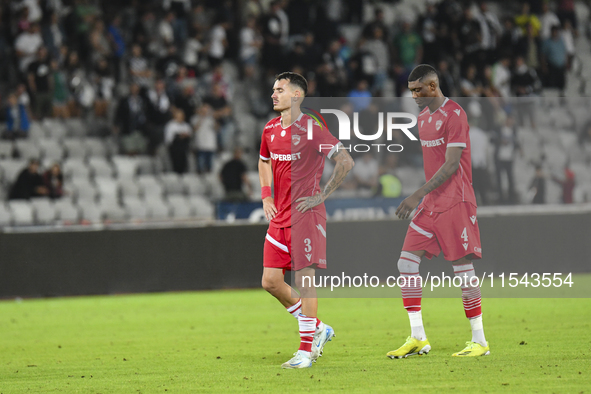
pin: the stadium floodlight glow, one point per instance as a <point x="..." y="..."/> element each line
<point x="345" y="125"/>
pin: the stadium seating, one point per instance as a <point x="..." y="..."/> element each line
<point x="22" y="212"/>
<point x="45" y="211"/>
<point x="5" y="215"/>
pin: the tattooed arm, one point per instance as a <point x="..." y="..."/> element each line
<point x="452" y="162"/>
<point x="344" y="163"/>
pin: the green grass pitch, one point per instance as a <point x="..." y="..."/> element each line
<point x="229" y="341"/>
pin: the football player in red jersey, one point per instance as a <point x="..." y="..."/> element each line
<point x="296" y="238"/>
<point x="445" y="220"/>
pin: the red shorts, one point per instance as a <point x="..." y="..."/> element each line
<point x="455" y="232"/>
<point x="300" y="246"/>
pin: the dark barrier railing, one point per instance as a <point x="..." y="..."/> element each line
<point x="148" y="260"/>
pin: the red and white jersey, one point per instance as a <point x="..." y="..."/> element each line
<point x="297" y="164"/>
<point x="446" y="127"/>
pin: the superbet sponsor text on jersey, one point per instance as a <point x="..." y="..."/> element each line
<point x="297" y="163"/>
<point x="446" y="127"/>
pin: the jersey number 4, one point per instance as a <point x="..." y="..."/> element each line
<point x="464" y="235"/>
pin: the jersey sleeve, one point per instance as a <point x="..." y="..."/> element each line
<point x="324" y="141"/>
<point x="457" y="129"/>
<point x="264" y="152"/>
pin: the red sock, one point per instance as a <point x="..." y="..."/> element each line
<point x="318" y="321"/>
<point x="307" y="328"/>
<point x="411" y="289"/>
<point x="471" y="298"/>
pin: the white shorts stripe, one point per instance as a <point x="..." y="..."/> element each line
<point x="420" y="230"/>
<point x="277" y="243"/>
<point x="319" y="227"/>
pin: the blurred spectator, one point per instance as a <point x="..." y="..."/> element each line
<point x="566" y="12"/>
<point x="568" y="36"/>
<point x="130" y="121"/>
<point x="234" y="178"/>
<point x="377" y="22"/>
<point x="26" y="45"/>
<point x="166" y="32"/>
<point x="505" y="151"/>
<point x="99" y="42"/>
<point x="378" y="49"/>
<point x="177" y="137"/>
<point x="53" y="35"/>
<point x="428" y="29"/>
<point x="510" y="39"/>
<point x="479" y="146"/>
<point x="218" y="42"/>
<point x="29" y="183"/>
<point x="158" y="115"/>
<point x="17" y="119"/>
<point x="365" y="172"/>
<point x="181" y="9"/>
<point x="490" y="29"/>
<point x="537" y="186"/>
<point x="61" y="94"/>
<point x="332" y="74"/>
<point x="222" y="113"/>
<point x="526" y="18"/>
<point x="118" y="46"/>
<point x="360" y="97"/>
<point x="567" y="184"/>
<point x="526" y="85"/>
<point x="408" y="45"/>
<point x="470" y="37"/>
<point x="501" y="77"/>
<point x="104" y="83"/>
<point x="139" y="68"/>
<point x="447" y="82"/>
<point x="40" y="84"/>
<point x="250" y="45"/>
<point x="274" y="28"/>
<point x="53" y="180"/>
<point x="389" y="186"/>
<point x="193" y="49"/>
<point x="548" y="19"/>
<point x="469" y="85"/>
<point x="555" y="61"/>
<point x="206" y="145"/>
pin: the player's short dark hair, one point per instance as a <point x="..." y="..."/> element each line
<point x="294" y="79"/>
<point x="420" y="72"/>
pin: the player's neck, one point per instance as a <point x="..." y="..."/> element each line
<point x="288" y="116"/>
<point x="436" y="103"/>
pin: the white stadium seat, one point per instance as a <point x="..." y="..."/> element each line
<point x="22" y="212"/>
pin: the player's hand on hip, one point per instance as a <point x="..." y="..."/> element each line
<point x="309" y="202"/>
<point x="269" y="208"/>
<point x="407" y="206"/>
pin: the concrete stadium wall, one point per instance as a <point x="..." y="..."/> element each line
<point x="149" y="260"/>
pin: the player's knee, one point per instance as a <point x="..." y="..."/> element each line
<point x="269" y="284"/>
<point x="408" y="263"/>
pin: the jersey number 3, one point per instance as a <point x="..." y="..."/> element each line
<point x="308" y="244"/>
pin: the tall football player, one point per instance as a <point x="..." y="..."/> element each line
<point x="296" y="238"/>
<point x="446" y="218"/>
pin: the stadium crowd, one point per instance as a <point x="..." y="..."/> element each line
<point x="175" y="79"/>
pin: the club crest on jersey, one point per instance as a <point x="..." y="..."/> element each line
<point x="272" y="137"/>
<point x="283" y="133"/>
<point x="438" y="124"/>
<point x="422" y="121"/>
<point x="295" y="139"/>
<point x="430" y="119"/>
